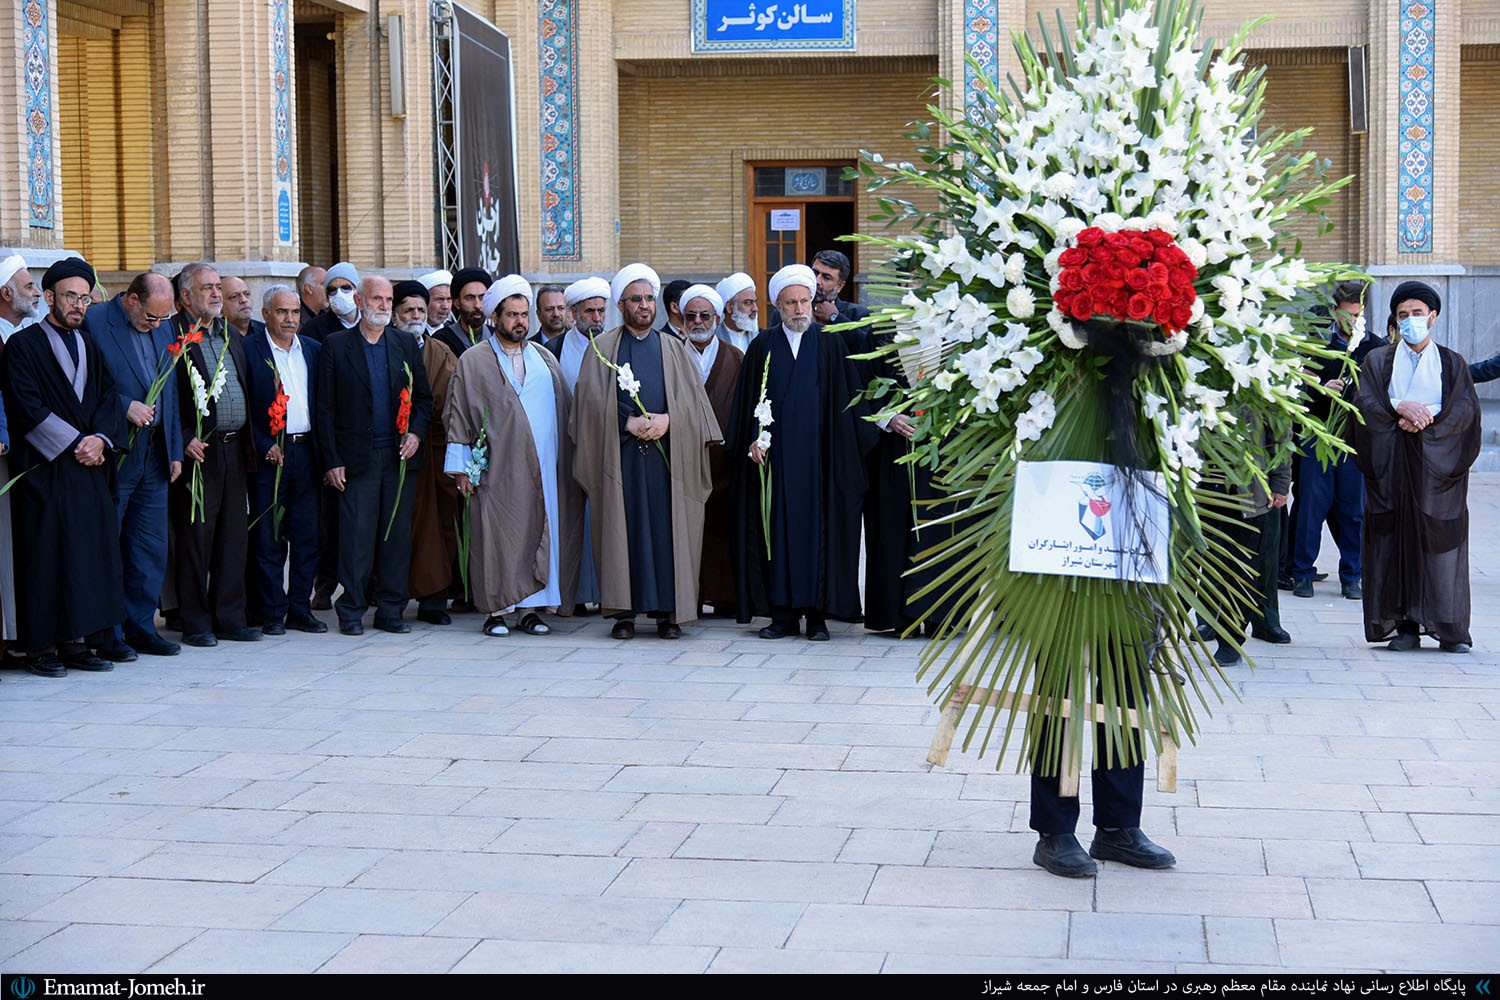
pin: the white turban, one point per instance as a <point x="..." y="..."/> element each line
<point x="793" y="274"/>
<point x="432" y="279"/>
<point x="9" y="266"/>
<point x="343" y="269"/>
<point x="703" y="292"/>
<point x="584" y="289"/>
<point x="629" y="275"/>
<point x="733" y="285"/>
<point x="504" y="288"/>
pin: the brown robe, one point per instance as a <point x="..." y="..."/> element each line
<point x="716" y="579"/>
<point x="596" y="434"/>
<point x="1416" y="544"/>
<point x="434" y="537"/>
<point x="510" y="539"/>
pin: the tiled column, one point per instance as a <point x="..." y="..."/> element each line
<point x="31" y="214"/>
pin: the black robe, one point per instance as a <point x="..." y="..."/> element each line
<point x="647" y="482"/>
<point x="1416" y="543"/>
<point x="67" y="540"/>
<point x="818" y="450"/>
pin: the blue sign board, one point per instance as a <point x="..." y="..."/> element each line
<point x="284" y="216"/>
<point x="773" y="25"/>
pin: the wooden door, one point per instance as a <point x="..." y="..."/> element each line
<point x="778" y="238"/>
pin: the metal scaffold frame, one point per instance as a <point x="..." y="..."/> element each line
<point x="445" y="134"/>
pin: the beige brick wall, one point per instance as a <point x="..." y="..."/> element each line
<point x="660" y="29"/>
<point x="681" y="170"/>
<point x="1479" y="154"/>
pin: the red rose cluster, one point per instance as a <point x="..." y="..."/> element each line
<point x="1140" y="276"/>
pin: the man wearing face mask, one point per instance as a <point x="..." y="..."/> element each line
<point x="434" y="539"/>
<point x="1419" y="436"/>
<point x="362" y="376"/>
<point x="719" y="365"/>
<point x="341" y="314"/>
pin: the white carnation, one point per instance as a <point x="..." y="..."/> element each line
<point x="1020" y="302"/>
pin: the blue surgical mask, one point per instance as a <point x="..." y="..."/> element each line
<point x="1413" y="329"/>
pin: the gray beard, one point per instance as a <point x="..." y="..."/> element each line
<point x="701" y="338"/>
<point x="797" y="325"/>
<point x="744" y="324"/>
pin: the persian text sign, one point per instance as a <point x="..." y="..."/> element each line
<point x="755" y="25"/>
<point x="1089" y="519"/>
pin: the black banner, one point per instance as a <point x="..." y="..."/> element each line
<point x="489" y="236"/>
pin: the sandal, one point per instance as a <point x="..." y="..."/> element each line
<point x="532" y="624"/>
<point x="495" y="625"/>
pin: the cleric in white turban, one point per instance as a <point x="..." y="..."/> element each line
<point x="504" y="288"/>
<point x="20" y="300"/>
<point x="629" y="275"/>
<point x="741" y="313"/>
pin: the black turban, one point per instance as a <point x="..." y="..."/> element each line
<point x="68" y="267"/>
<point x="465" y="275"/>
<point x="406" y="289"/>
<point x="1421" y="291"/>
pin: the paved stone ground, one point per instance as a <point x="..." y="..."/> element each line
<point x="442" y="801"/>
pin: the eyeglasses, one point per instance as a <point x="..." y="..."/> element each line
<point x="153" y="320"/>
<point x="636" y="300"/>
<point x="74" y="299"/>
<point x="697" y="315"/>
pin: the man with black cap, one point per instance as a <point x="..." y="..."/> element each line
<point x="66" y="427"/>
<point x="434" y="535"/>
<point x="1419" y="435"/>
<point x="466" y="327"/>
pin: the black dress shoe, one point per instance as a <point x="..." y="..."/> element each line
<point x="395" y="626"/>
<point x="1302" y="588"/>
<point x="46" y="665"/>
<point x="668" y="630"/>
<point x="624" y="629"/>
<point x="434" y="617"/>
<point x="1227" y="656"/>
<point x="1352" y="592"/>
<point x="245" y="634"/>
<point x="1319" y="577"/>
<point x="1454" y="647"/>
<point x="117" y="652"/>
<point x="817" y="630"/>
<point x="154" y="645"/>
<point x="1272" y="633"/>
<point x="1404" y="642"/>
<point x="309" y="624"/>
<point x="85" y="660"/>
<point x="1205" y="632"/>
<point x="1283" y="583"/>
<point x="322" y="600"/>
<point x="1130" y="847"/>
<point x="352" y="628"/>
<point x="204" y="639"/>
<point x="273" y="628"/>
<point x="1061" y="854"/>
<point x="778" y="630"/>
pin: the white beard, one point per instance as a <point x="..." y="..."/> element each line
<point x="701" y="338"/>
<point x="739" y="321"/>
<point x="799" y="325"/>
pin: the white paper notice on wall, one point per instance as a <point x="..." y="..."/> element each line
<point x="1090" y="519"/>
<point x="786" y="220"/>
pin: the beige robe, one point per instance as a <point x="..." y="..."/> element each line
<point x="434" y="540"/>
<point x="511" y="541"/>
<point x="596" y="435"/>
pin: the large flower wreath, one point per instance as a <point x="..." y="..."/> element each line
<point x="1108" y="278"/>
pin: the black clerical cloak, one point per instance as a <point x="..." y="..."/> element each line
<point x="822" y="437"/>
<point x="67" y="540"/>
<point x="1416" y="544"/>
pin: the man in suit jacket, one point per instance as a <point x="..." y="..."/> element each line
<point x="132" y="334"/>
<point x="362" y="375"/>
<point x="212" y="534"/>
<point x="285" y="511"/>
<point x="239" y="308"/>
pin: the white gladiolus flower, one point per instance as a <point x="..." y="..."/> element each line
<point x="943" y="381"/>
<point x="629" y="384"/>
<point x="200" y="391"/>
<point x="1039" y="417"/>
<point x="763" y="413"/>
<point x="764" y="441"/>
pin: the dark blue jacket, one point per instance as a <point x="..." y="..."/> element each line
<point x="262" y="388"/>
<point x="110" y="330"/>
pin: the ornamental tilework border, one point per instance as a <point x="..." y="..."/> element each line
<point x="1416" y="118"/>
<point x="982" y="44"/>
<point x="281" y="84"/>
<point x="36" y="44"/>
<point x="558" y="58"/>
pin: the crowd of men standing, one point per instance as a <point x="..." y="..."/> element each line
<point x="176" y="455"/>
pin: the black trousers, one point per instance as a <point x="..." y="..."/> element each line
<point x="373" y="569"/>
<point x="300" y="479"/>
<point x="1118" y="792"/>
<point x="211" y="551"/>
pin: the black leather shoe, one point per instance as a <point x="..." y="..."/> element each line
<point x="395" y="626"/>
<point x="668" y="630"/>
<point x="1283" y="583"/>
<point x="117" y="652"/>
<point x="1454" y="647"/>
<point x="322" y="600"/>
<point x="779" y="630"/>
<point x="154" y="645"/>
<point x="1227" y="656"/>
<point x="204" y="639"/>
<point x="309" y="624"/>
<point x="85" y="660"/>
<point x="817" y="630"/>
<point x="1352" y="592"/>
<point x="273" y="628"/>
<point x="1319" y="577"/>
<point x="624" y="629"/>
<point x="1205" y="632"/>
<point x="434" y="617"/>
<point x="1130" y="847"/>
<point x="1272" y="633"/>
<point x="1302" y="588"/>
<point x="46" y="665"/>
<point x="246" y="634"/>
<point x="1061" y="854"/>
<point x="1404" y="642"/>
<point x="352" y="628"/>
